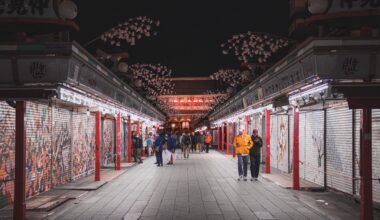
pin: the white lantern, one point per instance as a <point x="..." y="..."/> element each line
<point x="122" y="67"/>
<point x="318" y="6"/>
<point x="67" y="9"/>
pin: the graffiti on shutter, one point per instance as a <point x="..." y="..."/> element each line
<point x="7" y="153"/>
<point x="108" y="142"/>
<point x="376" y="153"/>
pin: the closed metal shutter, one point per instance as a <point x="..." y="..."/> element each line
<point x="339" y="149"/>
<point x="280" y="142"/>
<point x="61" y="148"/>
<point x="83" y="145"/>
<point x="314" y="147"/>
<point x="125" y="141"/>
<point x="357" y="150"/>
<point x="291" y="141"/>
<point x="108" y="140"/>
<point x="7" y="153"/>
<point x="302" y="144"/>
<point x="376" y="153"/>
<point x="38" y="148"/>
<point x="122" y="143"/>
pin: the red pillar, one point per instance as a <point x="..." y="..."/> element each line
<point x="19" y="190"/>
<point x="222" y="137"/>
<point x="296" y="174"/>
<point x="267" y="140"/>
<point x="97" y="146"/>
<point x="129" y="140"/>
<point x="227" y="139"/>
<point x="118" y="142"/>
<point x="218" y="138"/>
<point x="366" y="204"/>
<point x="233" y="137"/>
<point x="247" y="119"/>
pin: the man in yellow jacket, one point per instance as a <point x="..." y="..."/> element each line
<point x="243" y="143"/>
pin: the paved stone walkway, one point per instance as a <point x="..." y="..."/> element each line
<point x="203" y="187"/>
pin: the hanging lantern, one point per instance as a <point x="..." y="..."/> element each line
<point x="122" y="67"/>
<point x="318" y="6"/>
<point x="67" y="10"/>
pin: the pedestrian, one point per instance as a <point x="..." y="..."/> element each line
<point x="173" y="138"/>
<point x="192" y="136"/>
<point x="169" y="147"/>
<point x="243" y="143"/>
<point x="158" y="148"/>
<point x="202" y="141"/>
<point x="197" y="142"/>
<point x="208" y="141"/>
<point x="186" y="145"/>
<point x="182" y="146"/>
<point x="148" y="142"/>
<point x="255" y="154"/>
<point x="137" y="147"/>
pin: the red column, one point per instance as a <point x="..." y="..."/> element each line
<point x="233" y="137"/>
<point x="366" y="204"/>
<point x="296" y="174"/>
<point x="247" y="119"/>
<point x="267" y="140"/>
<point x="97" y="146"/>
<point x="118" y="142"/>
<point x="20" y="157"/>
<point x="129" y="140"/>
<point x="222" y="137"/>
<point x="227" y="139"/>
<point x="218" y="138"/>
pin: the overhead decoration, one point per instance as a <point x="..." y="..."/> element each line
<point x="254" y="47"/>
<point x="154" y="79"/>
<point x="232" y="77"/>
<point x="131" y="31"/>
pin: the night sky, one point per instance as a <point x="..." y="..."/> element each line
<point x="190" y="33"/>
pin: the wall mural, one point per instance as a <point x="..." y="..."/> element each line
<point x="7" y="153"/>
<point x="282" y="143"/>
<point x="108" y="142"/>
<point x="83" y="145"/>
<point x="38" y="148"/>
<point x="61" y="150"/>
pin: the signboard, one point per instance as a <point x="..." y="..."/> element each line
<point x="353" y="5"/>
<point x="28" y="8"/>
<point x="343" y="66"/>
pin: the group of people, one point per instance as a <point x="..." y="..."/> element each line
<point x="169" y="142"/>
<point x="248" y="148"/>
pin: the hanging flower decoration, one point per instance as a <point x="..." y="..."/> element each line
<point x="230" y="76"/>
<point x="254" y="47"/>
<point x="218" y="97"/>
<point x="154" y="79"/>
<point x="131" y="31"/>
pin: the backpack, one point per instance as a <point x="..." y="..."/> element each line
<point x="187" y="140"/>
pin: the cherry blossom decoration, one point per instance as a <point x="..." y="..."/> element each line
<point x="254" y="47"/>
<point x="154" y="79"/>
<point x="131" y="31"/>
<point x="231" y="77"/>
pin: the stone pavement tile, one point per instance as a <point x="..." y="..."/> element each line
<point x="164" y="217"/>
<point x="248" y="217"/>
<point x="147" y="218"/>
<point x="281" y="215"/>
<point x="231" y="215"/>
<point x="99" y="217"/>
<point x="214" y="217"/>
<point x="132" y="216"/>
<point x="264" y="215"/>
<point x="149" y="211"/>
<point x="226" y="207"/>
<point x="295" y="215"/>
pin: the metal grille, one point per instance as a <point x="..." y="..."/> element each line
<point x="61" y="146"/>
<point x="108" y="140"/>
<point x="279" y="142"/>
<point x="7" y="153"/>
<point x="339" y="149"/>
<point x="376" y="153"/>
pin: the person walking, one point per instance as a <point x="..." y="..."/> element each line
<point x="197" y="142"/>
<point x="208" y="140"/>
<point x="242" y="143"/>
<point x="137" y="147"/>
<point x="158" y="148"/>
<point x="255" y="154"/>
<point x="186" y="145"/>
<point x="202" y="141"/>
<point x="169" y="148"/>
<point x="192" y="137"/>
<point x="173" y="138"/>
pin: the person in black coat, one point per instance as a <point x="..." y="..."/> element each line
<point x="255" y="154"/>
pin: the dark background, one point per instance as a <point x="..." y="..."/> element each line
<point x="190" y="33"/>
